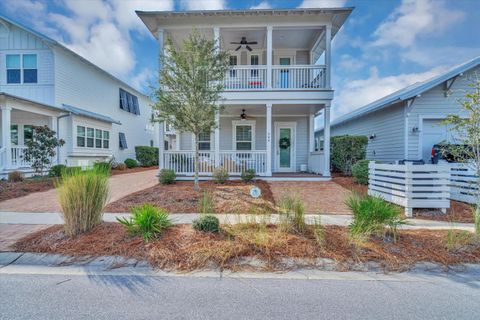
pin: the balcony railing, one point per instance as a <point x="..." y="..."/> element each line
<point x="293" y="77"/>
<point x="235" y="162"/>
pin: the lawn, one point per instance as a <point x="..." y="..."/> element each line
<point x="235" y="247"/>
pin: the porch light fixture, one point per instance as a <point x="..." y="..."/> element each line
<point x="373" y="136"/>
<point x="415" y="129"/>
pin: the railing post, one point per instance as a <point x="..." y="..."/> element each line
<point x="269" y="140"/>
<point x="6" y="138"/>
<point x="161" y="146"/>
<point x="269" y="56"/>
<point x="408" y="189"/>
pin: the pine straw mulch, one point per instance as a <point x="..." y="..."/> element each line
<point x="458" y="211"/>
<point x="183" y="249"/>
<point x="11" y="190"/>
<point x="180" y="197"/>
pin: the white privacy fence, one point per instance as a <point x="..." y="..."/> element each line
<point x="411" y="186"/>
<point x="463" y="183"/>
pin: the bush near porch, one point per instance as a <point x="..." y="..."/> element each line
<point x="147" y="156"/>
<point x="346" y="151"/>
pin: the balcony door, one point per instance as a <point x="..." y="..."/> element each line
<point x="285" y="146"/>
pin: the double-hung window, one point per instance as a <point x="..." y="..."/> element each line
<point x="204" y="141"/>
<point x="80" y="136"/>
<point x="254" y="59"/>
<point x="90" y="137"/>
<point x="233" y="62"/>
<point x="27" y="133"/>
<point x="106" y="139"/>
<point x="243" y="137"/>
<point x="98" y="138"/>
<point x="21" y="67"/>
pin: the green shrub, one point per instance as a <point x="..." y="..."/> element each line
<point x="206" y="205"/>
<point x="220" y="175"/>
<point x="82" y="196"/>
<point x="206" y="223"/>
<point x="147" y="221"/>
<point x="248" y="175"/>
<point x="57" y="170"/>
<point x="347" y="150"/>
<point x="292" y="214"/>
<point x="147" y="156"/>
<point x="103" y="166"/>
<point x="167" y="176"/>
<point x="360" y="171"/>
<point x="373" y="216"/>
<point x="131" y="163"/>
<point x="15" y="176"/>
<point x="121" y="167"/>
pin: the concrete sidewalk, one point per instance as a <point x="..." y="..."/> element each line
<point x="50" y="218"/>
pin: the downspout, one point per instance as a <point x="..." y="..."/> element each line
<point x="58" y="133"/>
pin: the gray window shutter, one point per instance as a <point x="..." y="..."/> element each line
<point x="122" y="140"/>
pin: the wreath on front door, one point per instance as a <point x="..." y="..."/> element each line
<point x="284" y="143"/>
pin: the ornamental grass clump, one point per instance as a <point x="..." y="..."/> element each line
<point x="82" y="196"/>
<point x="206" y="204"/>
<point x="373" y="216"/>
<point x="147" y="221"/>
<point x="292" y="214"/>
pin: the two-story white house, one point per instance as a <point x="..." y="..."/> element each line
<point x="44" y="83"/>
<point x="279" y="81"/>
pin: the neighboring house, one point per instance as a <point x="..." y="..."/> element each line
<point x="44" y="83"/>
<point x="407" y="123"/>
<point x="273" y="90"/>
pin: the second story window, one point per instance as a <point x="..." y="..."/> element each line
<point x="254" y="62"/>
<point x="233" y="62"/>
<point x="129" y="102"/>
<point x="21" y="68"/>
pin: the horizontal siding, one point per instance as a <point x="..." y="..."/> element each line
<point x="386" y="124"/>
<point x="81" y="85"/>
<point x="433" y="103"/>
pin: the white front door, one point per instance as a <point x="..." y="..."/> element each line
<point x="285" y="146"/>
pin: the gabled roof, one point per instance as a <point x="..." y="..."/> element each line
<point x="408" y="92"/>
<point x="53" y="42"/>
<point x="88" y="114"/>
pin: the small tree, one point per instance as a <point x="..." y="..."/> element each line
<point x="41" y="149"/>
<point x="190" y="87"/>
<point x="466" y="126"/>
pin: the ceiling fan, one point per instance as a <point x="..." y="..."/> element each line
<point x="243" y="116"/>
<point x="245" y="43"/>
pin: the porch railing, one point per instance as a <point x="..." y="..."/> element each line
<point x="18" y="157"/>
<point x="246" y="78"/>
<point x="3" y="158"/>
<point x="298" y="77"/>
<point x="235" y="162"/>
<point x="293" y="77"/>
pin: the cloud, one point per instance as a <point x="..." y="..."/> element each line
<point x="446" y="55"/>
<point x="348" y="63"/>
<point x="322" y="3"/>
<point x="98" y="30"/>
<point x="414" y="18"/>
<point x="262" y="5"/>
<point x="202" y="4"/>
<point x="357" y="93"/>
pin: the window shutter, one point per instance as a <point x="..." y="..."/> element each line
<point x="123" y="100"/>
<point x="122" y="140"/>
<point x="135" y="103"/>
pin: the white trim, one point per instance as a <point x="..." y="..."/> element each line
<point x="293" y="155"/>
<point x="236" y="123"/>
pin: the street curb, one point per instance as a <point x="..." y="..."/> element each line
<point x="43" y="263"/>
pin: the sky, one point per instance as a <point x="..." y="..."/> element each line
<point x="384" y="46"/>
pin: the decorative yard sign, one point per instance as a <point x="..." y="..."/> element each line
<point x="255" y="192"/>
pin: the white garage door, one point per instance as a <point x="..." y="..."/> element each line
<point x="434" y="131"/>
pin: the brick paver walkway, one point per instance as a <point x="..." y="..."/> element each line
<point x="11" y="233"/>
<point x="325" y="197"/>
<point x="120" y="186"/>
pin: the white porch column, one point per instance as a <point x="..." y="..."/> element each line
<point x="161" y="125"/>
<point x="311" y="127"/>
<point x="269" y="140"/>
<point x="217" y="139"/>
<point x="54" y="127"/>
<point x="6" y="138"/>
<point x="269" y="56"/>
<point x="328" y="55"/>
<point x="326" y="141"/>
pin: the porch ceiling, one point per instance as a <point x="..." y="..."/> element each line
<point x="277" y="109"/>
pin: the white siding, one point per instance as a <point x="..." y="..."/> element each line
<point x="434" y="104"/>
<point x="17" y="41"/>
<point x="81" y="85"/>
<point x="386" y="124"/>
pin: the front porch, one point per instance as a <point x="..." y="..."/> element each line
<point x="276" y="141"/>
